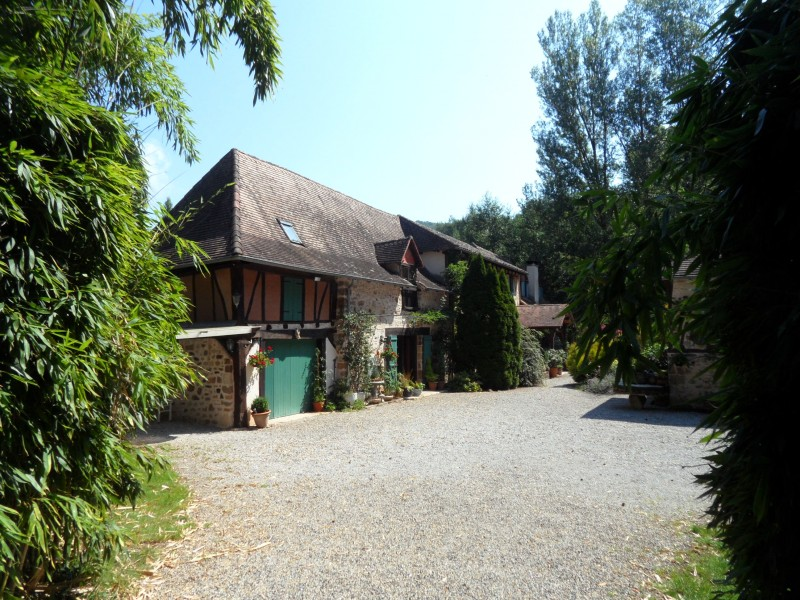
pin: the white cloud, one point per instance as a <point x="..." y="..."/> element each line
<point x="157" y="163"/>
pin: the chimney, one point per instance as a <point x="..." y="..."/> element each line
<point x="533" y="281"/>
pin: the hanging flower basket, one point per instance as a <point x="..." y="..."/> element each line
<point x="261" y="359"/>
<point x="388" y="353"/>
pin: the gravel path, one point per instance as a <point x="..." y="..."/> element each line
<point x="541" y="493"/>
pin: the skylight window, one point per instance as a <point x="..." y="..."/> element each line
<point x="288" y="229"/>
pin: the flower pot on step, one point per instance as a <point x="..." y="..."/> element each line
<point x="261" y="419"/>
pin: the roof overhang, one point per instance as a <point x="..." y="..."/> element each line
<point x="390" y="279"/>
<point x="218" y="332"/>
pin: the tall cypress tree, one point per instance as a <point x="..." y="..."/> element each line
<point x="472" y="320"/>
<point x="488" y="334"/>
<point x="503" y="351"/>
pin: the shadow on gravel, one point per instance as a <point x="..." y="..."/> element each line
<point x="618" y="408"/>
<point x="165" y="431"/>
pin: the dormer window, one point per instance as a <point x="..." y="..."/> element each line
<point x="408" y="272"/>
<point x="288" y="229"/>
<point x="410" y="300"/>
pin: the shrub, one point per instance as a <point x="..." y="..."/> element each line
<point x="336" y="399"/>
<point x="605" y="385"/>
<point x="654" y="358"/>
<point x="462" y="382"/>
<point x="554" y="357"/>
<point x="533" y="363"/>
<point x="580" y="369"/>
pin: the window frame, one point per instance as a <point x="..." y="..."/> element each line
<point x="290" y="232"/>
<point x="410" y="297"/>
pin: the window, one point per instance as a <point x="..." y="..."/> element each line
<point x="409" y="273"/>
<point x="288" y="229"/>
<point x="512" y="284"/>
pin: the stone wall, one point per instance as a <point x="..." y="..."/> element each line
<point x="682" y="287"/>
<point x="385" y="301"/>
<point x="691" y="384"/>
<point x="209" y="402"/>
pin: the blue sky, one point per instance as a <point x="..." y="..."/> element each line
<point x="416" y="108"/>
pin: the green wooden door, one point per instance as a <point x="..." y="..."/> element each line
<point x="287" y="382"/>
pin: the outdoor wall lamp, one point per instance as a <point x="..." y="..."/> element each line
<point x="237" y="297"/>
<point x="229" y="343"/>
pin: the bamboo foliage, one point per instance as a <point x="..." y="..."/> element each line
<point x="89" y="311"/>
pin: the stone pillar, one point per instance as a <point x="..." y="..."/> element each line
<point x="240" y="416"/>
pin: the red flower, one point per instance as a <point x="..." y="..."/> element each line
<point x="261" y="359"/>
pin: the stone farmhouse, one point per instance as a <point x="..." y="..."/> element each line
<point x="286" y="258"/>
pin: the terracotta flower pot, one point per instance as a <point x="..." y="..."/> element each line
<point x="261" y="419"/>
<point x="318" y="406"/>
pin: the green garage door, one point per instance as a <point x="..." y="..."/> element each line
<point x="287" y="382"/>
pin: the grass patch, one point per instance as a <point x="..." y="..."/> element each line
<point x="699" y="573"/>
<point x="157" y="518"/>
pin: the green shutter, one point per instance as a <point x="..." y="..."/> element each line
<point x="393" y="363"/>
<point x="426" y="351"/>
<point x="292" y="299"/>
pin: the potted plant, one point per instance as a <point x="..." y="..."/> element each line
<point x="417" y="387"/>
<point x="391" y="385"/>
<point x="562" y="359"/>
<point x="319" y="391"/>
<point x="388" y="358"/>
<point x="259" y="408"/>
<point x="406" y="384"/>
<point x="554" y="361"/>
<point x="431" y="377"/>
<point x="261" y="359"/>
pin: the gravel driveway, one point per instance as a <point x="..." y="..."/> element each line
<point x="542" y="493"/>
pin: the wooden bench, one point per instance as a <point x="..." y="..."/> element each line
<point x="640" y="392"/>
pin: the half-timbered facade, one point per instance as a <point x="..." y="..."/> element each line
<point x="286" y="257"/>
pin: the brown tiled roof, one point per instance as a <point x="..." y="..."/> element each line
<point x="541" y="316"/>
<point x="244" y="197"/>
<point x="428" y="281"/>
<point x="392" y="251"/>
<point x="430" y="240"/>
<point x="248" y="196"/>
